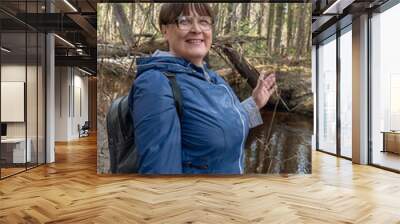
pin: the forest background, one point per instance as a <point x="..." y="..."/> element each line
<point x="248" y="38"/>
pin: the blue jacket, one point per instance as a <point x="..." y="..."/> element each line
<point x="214" y="127"/>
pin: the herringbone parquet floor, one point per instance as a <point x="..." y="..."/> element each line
<point x="70" y="191"/>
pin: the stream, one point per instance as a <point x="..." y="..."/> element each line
<point x="289" y="148"/>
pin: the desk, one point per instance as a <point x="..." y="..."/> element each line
<point x="15" y="148"/>
<point x="391" y="141"/>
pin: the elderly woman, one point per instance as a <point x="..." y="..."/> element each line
<point x="210" y="136"/>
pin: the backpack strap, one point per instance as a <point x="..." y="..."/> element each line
<point x="176" y="93"/>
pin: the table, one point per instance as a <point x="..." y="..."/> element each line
<point x="391" y="141"/>
<point x="13" y="150"/>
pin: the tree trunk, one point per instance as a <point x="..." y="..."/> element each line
<point x="105" y="50"/>
<point x="278" y="28"/>
<point x="228" y="22"/>
<point x="271" y="16"/>
<point x="152" y="15"/>
<point x="221" y="21"/>
<point x="289" y="27"/>
<point x="309" y="40"/>
<point x="308" y="31"/>
<point x="294" y="26"/>
<point x="245" y="13"/>
<point x="215" y="25"/>
<point x="123" y="25"/>
<point x="246" y="70"/>
<point x="260" y="24"/>
<point x="106" y="24"/>
<point x="300" y="31"/>
<point x="115" y="50"/>
<point x="235" y="20"/>
<point x="133" y="12"/>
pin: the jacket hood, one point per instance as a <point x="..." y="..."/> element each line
<point x="166" y="62"/>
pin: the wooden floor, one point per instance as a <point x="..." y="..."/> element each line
<point x="10" y="171"/>
<point x="70" y="191"/>
<point x="387" y="159"/>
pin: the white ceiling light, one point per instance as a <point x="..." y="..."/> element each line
<point x="65" y="41"/>
<point x="338" y="6"/>
<point x="5" y="50"/>
<point x="70" y="5"/>
<point x="79" y="51"/>
<point x="86" y="72"/>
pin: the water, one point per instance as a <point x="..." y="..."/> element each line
<point x="289" y="147"/>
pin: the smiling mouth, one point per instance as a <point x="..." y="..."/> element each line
<point x="194" y="41"/>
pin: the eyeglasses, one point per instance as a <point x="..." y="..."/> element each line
<point x="185" y="23"/>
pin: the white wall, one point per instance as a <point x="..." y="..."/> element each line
<point x="71" y="87"/>
<point x="12" y="73"/>
<point x="61" y="103"/>
<point x="81" y="94"/>
<point x="12" y="101"/>
<point x="33" y="126"/>
<point x="16" y="73"/>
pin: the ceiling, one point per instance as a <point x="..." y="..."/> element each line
<point x="330" y="15"/>
<point x="74" y="22"/>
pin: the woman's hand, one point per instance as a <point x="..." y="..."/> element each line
<point x="265" y="88"/>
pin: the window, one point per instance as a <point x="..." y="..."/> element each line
<point x="346" y="92"/>
<point x="327" y="96"/>
<point x="385" y="88"/>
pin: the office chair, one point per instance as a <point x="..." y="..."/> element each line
<point x="84" y="130"/>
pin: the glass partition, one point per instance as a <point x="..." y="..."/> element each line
<point x="22" y="87"/>
<point x="14" y="152"/>
<point x="385" y="89"/>
<point x="327" y="95"/>
<point x="346" y="92"/>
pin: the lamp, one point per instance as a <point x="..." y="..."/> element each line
<point x="70" y="5"/>
<point x="84" y="71"/>
<point x="337" y="7"/>
<point x="5" y="50"/>
<point x="64" y="40"/>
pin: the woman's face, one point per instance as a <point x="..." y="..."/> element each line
<point x="192" y="44"/>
